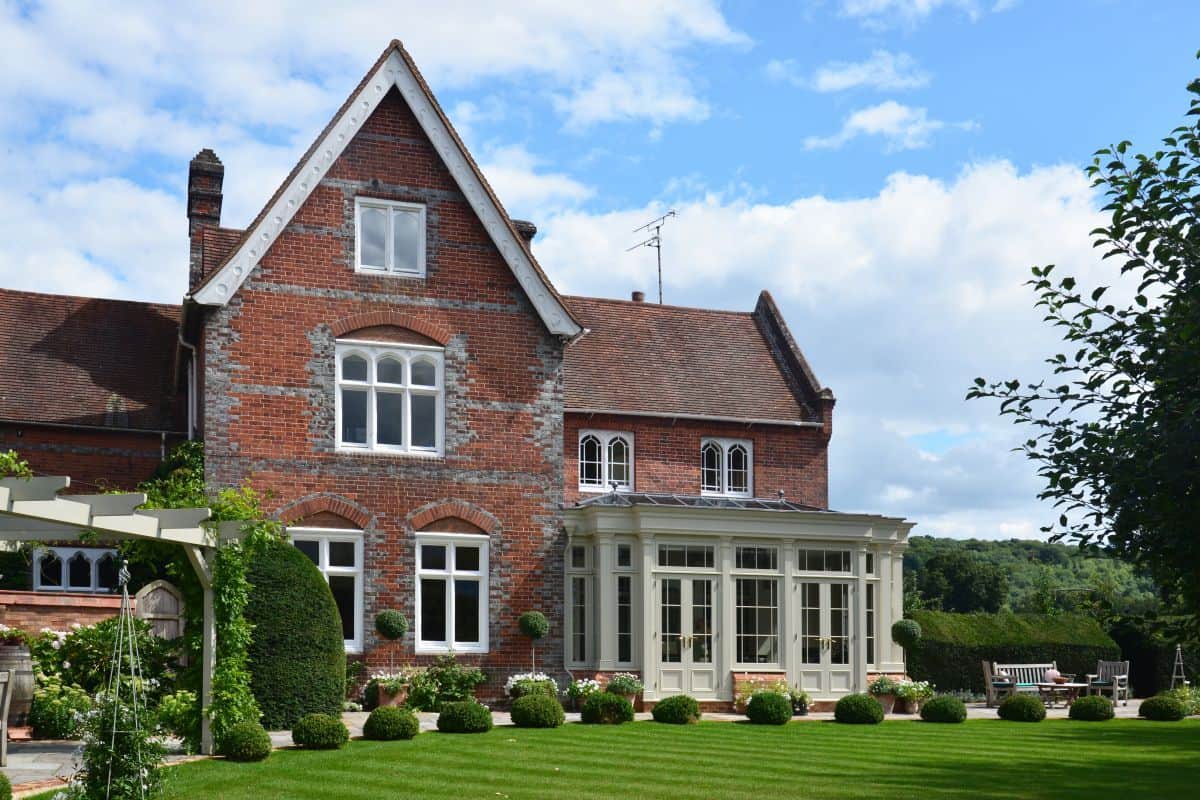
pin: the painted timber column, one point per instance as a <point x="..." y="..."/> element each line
<point x="859" y="610"/>
<point x="650" y="652"/>
<point x="883" y="617"/>
<point x="789" y="621"/>
<point x="726" y="632"/>
<point x="606" y="606"/>
<point x="896" y="591"/>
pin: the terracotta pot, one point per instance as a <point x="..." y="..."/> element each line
<point x="386" y="698"/>
<point x="16" y="657"/>
<point x="888" y="701"/>
<point x="908" y="707"/>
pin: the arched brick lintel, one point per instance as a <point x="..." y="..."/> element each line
<point x="369" y="319"/>
<point x="327" y="503"/>
<point x="430" y="513"/>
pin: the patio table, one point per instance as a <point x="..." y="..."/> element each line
<point x="1067" y="693"/>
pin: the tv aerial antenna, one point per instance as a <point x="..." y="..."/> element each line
<point x="654" y="227"/>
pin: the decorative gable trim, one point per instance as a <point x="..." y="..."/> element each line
<point x="394" y="69"/>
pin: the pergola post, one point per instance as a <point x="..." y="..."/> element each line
<point x="208" y="654"/>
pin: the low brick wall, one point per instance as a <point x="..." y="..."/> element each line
<point x="32" y="611"/>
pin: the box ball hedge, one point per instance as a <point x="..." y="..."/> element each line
<point x="858" y="709"/>
<point x="1022" y="708"/>
<point x="676" y="710"/>
<point x="388" y="723"/>
<point x="1092" y="709"/>
<point x="320" y="732"/>
<point x="465" y="716"/>
<point x="537" y="711"/>
<point x="5" y="788"/>
<point x="606" y="708"/>
<point x="769" y="708"/>
<point x="246" y="741"/>
<point x="1162" y="708"/>
<point x="297" y="656"/>
<point x="944" y="708"/>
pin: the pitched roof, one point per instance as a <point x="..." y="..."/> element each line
<point x="394" y="67"/>
<point x="85" y="361"/>
<point x="644" y="358"/>
<point x="215" y="246"/>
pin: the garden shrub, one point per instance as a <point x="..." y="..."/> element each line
<point x="296" y="657"/>
<point x="320" y="732"/>
<point x="1162" y="708"/>
<point x="391" y="624"/>
<point x="952" y="646"/>
<point x="119" y="761"/>
<point x="1092" y="709"/>
<point x="858" y="709"/>
<point x="606" y="708"/>
<point x="57" y="708"/>
<point x="246" y="741"/>
<point x="464" y="716"/>
<point x="391" y="722"/>
<point x="769" y="708"/>
<point x="5" y="788"/>
<point x="179" y="715"/>
<point x="625" y="683"/>
<point x="944" y="708"/>
<point x="1022" y="708"/>
<point x="1187" y="695"/>
<point x="677" y="710"/>
<point x="525" y="683"/>
<point x="533" y="624"/>
<point x="371" y="695"/>
<point x="444" y="681"/>
<point x="82" y="656"/>
<point x="537" y="711"/>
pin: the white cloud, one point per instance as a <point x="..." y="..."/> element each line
<point x="883" y="70"/>
<point x="620" y="97"/>
<point x="877" y="11"/>
<point x="522" y="187"/>
<point x="902" y="127"/>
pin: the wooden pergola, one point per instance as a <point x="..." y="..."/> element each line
<point x="32" y="510"/>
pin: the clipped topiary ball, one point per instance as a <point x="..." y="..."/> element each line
<point x="769" y="708"/>
<point x="320" y="732"/>
<point x="944" y="708"/>
<point x="1022" y="708"/>
<point x="391" y="722"/>
<point x="1092" y="709"/>
<point x="858" y="709"/>
<point x="537" y="711"/>
<point x="534" y="624"/>
<point x="1162" y="708"/>
<point x="246" y="741"/>
<point x="906" y="632"/>
<point x="391" y="624"/>
<point x="676" y="710"/>
<point x="606" y="708"/>
<point x="466" y="716"/>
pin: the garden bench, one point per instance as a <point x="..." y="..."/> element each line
<point x="996" y="688"/>
<point x="1022" y="677"/>
<point x="1111" y="678"/>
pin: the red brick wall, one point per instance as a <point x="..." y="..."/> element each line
<point x="32" y="611"/>
<point x="95" y="460"/>
<point x="667" y="455"/>
<point x="270" y="404"/>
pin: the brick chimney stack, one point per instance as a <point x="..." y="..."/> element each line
<point x="206" y="174"/>
<point x="526" y="228"/>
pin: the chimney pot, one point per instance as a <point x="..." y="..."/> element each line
<point x="639" y="297"/>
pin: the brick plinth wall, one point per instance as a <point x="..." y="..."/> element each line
<point x="32" y="611"/>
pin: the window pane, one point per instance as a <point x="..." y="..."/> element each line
<point x="578" y="556"/>
<point x="618" y="461"/>
<point x="372" y="237"/>
<point x="390" y="370"/>
<point x="670" y="555"/>
<point x="79" y="570"/>
<point x="624" y="618"/>
<point x="433" y="610"/>
<point x="106" y="572"/>
<point x="433" y="556"/>
<point x="424" y="373"/>
<point x="739" y="470"/>
<point x="466" y="610"/>
<point x="354" y="368"/>
<point x="579" y="619"/>
<point x="341" y="554"/>
<point x="424" y="420"/>
<point x="710" y="469"/>
<point x="406" y="229"/>
<point x="624" y="555"/>
<point x="310" y="549"/>
<point x="699" y="556"/>
<point x="342" y="587"/>
<point x="466" y="558"/>
<point x="354" y="416"/>
<point x="389" y="418"/>
<point x="52" y="570"/>
<point x="589" y="462"/>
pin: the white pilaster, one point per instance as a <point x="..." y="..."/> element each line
<point x="606" y="604"/>
<point x="650" y="649"/>
<point x="859" y="612"/>
<point x="726" y="634"/>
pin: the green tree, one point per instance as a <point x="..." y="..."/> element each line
<point x="958" y="581"/>
<point x="1116" y="432"/>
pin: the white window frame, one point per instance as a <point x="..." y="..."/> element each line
<point x="374" y="352"/>
<point x="450" y="541"/>
<point x="94" y="556"/>
<point x="392" y="207"/>
<point x="323" y="536"/>
<point x="605" y="438"/>
<point x="738" y="635"/>
<point x="724" y="445"/>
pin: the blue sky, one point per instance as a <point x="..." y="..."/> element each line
<point x="889" y="169"/>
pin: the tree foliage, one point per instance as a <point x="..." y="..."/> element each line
<point x="1116" y="433"/>
<point x="958" y="581"/>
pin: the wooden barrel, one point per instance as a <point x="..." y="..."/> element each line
<point x="16" y="657"/>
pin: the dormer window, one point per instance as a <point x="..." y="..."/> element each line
<point x="605" y="461"/>
<point x="389" y="237"/>
<point x="726" y="467"/>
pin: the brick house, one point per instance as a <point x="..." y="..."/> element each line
<point x="446" y="435"/>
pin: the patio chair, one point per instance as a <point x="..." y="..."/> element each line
<point x="996" y="688"/>
<point x="1112" y="679"/>
<point x="5" y="698"/>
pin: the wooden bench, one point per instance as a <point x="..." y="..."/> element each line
<point x="1020" y="677"/>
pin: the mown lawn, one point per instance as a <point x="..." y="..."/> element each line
<point x="981" y="758"/>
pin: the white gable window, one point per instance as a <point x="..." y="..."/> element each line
<point x="390" y="398"/>
<point x="75" y="569"/>
<point x="727" y="467"/>
<point x="605" y="459"/>
<point x="339" y="555"/>
<point x="452" y="593"/>
<point x="389" y="237"/>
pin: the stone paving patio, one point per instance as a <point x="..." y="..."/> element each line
<point x="36" y="766"/>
